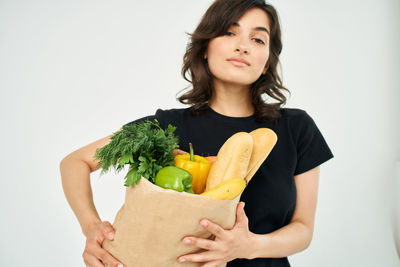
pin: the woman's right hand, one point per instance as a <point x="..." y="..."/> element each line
<point x="94" y="255"/>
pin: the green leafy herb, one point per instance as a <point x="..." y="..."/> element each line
<point x="145" y="146"/>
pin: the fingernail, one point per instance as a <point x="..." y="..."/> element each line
<point x="204" y="223"/>
<point x="111" y="236"/>
<point x="120" y="265"/>
<point x="182" y="260"/>
<point x="187" y="241"/>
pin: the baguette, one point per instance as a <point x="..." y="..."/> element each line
<point x="232" y="160"/>
<point x="264" y="140"/>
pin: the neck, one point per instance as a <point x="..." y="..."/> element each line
<point x="233" y="100"/>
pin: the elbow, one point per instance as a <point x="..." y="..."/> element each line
<point x="64" y="161"/>
<point x="63" y="166"/>
<point x="308" y="235"/>
<point x="73" y="161"/>
<point x="308" y="242"/>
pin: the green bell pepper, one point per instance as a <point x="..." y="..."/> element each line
<point x="171" y="177"/>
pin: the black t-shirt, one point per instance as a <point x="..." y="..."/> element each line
<point x="270" y="196"/>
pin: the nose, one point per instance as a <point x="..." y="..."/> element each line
<point x="242" y="50"/>
<point x="242" y="46"/>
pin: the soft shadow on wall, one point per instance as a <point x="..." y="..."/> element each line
<point x="396" y="209"/>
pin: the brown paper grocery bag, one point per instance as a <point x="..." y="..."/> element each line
<point x="151" y="223"/>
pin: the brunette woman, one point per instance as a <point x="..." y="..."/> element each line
<point x="231" y="63"/>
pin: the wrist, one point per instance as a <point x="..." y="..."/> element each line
<point x="88" y="225"/>
<point x="253" y="246"/>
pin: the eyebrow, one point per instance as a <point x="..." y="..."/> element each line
<point x="255" y="28"/>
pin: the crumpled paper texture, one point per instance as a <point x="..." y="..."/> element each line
<point x="151" y="223"/>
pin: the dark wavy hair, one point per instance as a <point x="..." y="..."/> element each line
<point x="215" y="22"/>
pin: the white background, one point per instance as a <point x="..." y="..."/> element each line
<point x="73" y="72"/>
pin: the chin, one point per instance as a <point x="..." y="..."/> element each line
<point x="239" y="79"/>
<point x="235" y="77"/>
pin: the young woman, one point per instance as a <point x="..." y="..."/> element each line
<point x="232" y="64"/>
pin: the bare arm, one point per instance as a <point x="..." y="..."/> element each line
<point x="75" y="171"/>
<point x="297" y="235"/>
<point x="75" y="174"/>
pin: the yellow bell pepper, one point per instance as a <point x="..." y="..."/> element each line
<point x="197" y="166"/>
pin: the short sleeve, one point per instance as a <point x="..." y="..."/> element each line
<point x="312" y="149"/>
<point x="159" y="115"/>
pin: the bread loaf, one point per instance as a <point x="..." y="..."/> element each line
<point x="232" y="160"/>
<point x="264" y="140"/>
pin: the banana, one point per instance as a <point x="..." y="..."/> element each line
<point x="228" y="189"/>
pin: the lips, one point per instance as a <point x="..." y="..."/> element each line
<point x="239" y="61"/>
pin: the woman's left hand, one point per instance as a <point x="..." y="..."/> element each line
<point x="227" y="245"/>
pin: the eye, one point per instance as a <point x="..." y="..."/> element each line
<point x="259" y="41"/>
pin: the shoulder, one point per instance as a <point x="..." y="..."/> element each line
<point x="299" y="122"/>
<point x="173" y="115"/>
<point x="311" y="146"/>
<point x="296" y="117"/>
<point x="291" y="113"/>
<point x="164" y="116"/>
<point x="172" y="112"/>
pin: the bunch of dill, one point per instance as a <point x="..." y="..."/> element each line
<point x="145" y="146"/>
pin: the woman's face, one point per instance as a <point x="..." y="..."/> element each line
<point x="248" y="40"/>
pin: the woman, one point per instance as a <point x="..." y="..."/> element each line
<point x="231" y="60"/>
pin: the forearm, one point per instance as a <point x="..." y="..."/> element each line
<point x="283" y="242"/>
<point x="75" y="175"/>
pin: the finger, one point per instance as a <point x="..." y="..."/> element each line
<point x="106" y="257"/>
<point x="213" y="228"/>
<point x="212" y="264"/>
<point x="198" y="257"/>
<point x="108" y="230"/>
<point x="200" y="242"/>
<point x="212" y="159"/>
<point x="92" y="261"/>
<point x="178" y="152"/>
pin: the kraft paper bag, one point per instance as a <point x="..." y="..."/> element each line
<point x="152" y="222"/>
